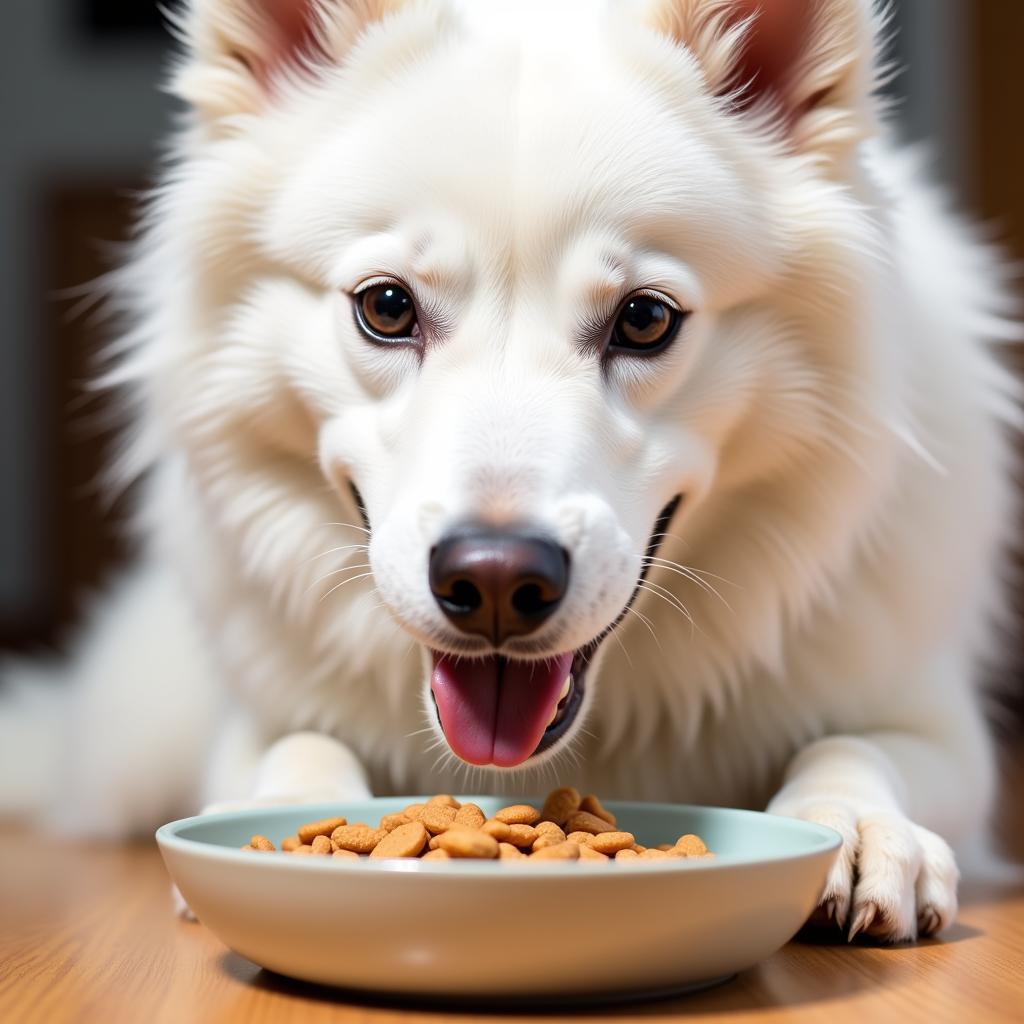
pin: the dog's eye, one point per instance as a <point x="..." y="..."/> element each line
<point x="386" y="311"/>
<point x="645" y="324"/>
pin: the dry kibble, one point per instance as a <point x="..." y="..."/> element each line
<point x="249" y="848"/>
<point x="498" y="829"/>
<point x="319" y="828"/>
<point x="470" y="815"/>
<point x="522" y="835"/>
<point x="468" y="843"/>
<point x="568" y="828"/>
<point x="560" y="804"/>
<point x="584" y="821"/>
<point x="404" y="841"/>
<point x="357" y="838"/>
<point x="518" y="814"/>
<point x="563" y="851"/>
<point x="550" y="828"/>
<point x="591" y="805"/>
<point x="691" y="846"/>
<point x="444" y="800"/>
<point x="612" y="842"/>
<point x="437" y="818"/>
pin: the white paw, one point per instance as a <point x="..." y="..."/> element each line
<point x="892" y="880"/>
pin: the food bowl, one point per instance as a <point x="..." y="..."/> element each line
<point x="505" y="929"/>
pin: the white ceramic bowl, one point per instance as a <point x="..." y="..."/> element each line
<point x="505" y="929"/>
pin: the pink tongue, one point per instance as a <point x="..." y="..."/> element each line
<point x="495" y="712"/>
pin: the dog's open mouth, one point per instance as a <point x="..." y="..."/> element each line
<point x="502" y="711"/>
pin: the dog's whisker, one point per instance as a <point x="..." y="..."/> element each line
<point x="683" y="571"/>
<point x="650" y="629"/>
<point x="353" y="579"/>
<point x="673" y="602"/>
<point x="334" y="551"/>
<point x="348" y="526"/>
<point x="334" y="572"/>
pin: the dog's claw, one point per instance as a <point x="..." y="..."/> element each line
<point x="865" y="919"/>
<point x="929" y="921"/>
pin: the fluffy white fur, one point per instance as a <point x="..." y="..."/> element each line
<point x="809" y="639"/>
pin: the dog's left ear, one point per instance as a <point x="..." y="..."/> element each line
<point x="238" y="52"/>
<point x="811" y="64"/>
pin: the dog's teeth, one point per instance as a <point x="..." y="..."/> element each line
<point x="566" y="687"/>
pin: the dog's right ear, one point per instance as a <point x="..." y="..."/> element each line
<point x="239" y="52"/>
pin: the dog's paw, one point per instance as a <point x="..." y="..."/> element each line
<point x="893" y="880"/>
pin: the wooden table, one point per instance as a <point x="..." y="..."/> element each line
<point x="87" y="934"/>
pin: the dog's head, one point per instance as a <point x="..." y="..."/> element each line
<point x="528" y="285"/>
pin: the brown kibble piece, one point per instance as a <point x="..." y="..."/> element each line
<point x="498" y="829"/>
<point x="518" y="814"/>
<point x="506" y="851"/>
<point x="263" y="844"/>
<point x="468" y="843"/>
<point x="249" y="848"/>
<point x="612" y="842"/>
<point x="691" y="845"/>
<point x="391" y="821"/>
<point x="307" y="833"/>
<point x="560" y="804"/>
<point x="627" y="855"/>
<point x="413" y="811"/>
<point x="579" y="837"/>
<point x="654" y="855"/>
<point x="444" y="800"/>
<point x="470" y="815"/>
<point x="291" y="844"/>
<point x="345" y="854"/>
<point x="591" y="805"/>
<point x="322" y="845"/>
<point x="637" y="848"/>
<point x="437" y="818"/>
<point x="546" y="839"/>
<point x="357" y="838"/>
<point x="591" y="854"/>
<point x="584" y="821"/>
<point x="665" y="847"/>
<point x="563" y="851"/>
<point x="549" y="828"/>
<point x="304" y="850"/>
<point x="522" y="835"/>
<point x="437" y="855"/>
<point x="405" y="841"/>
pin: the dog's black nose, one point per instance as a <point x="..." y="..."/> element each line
<point x="498" y="583"/>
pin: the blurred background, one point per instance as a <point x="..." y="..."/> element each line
<point x="82" y="119"/>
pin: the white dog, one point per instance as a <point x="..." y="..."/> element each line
<point x="566" y="390"/>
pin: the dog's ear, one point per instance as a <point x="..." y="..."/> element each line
<point x="239" y="51"/>
<point x="810" y="64"/>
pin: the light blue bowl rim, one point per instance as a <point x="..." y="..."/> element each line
<point x="823" y="840"/>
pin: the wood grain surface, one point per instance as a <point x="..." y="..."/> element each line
<point x="87" y="933"/>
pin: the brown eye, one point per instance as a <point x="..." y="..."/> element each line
<point x="645" y="324"/>
<point x="387" y="312"/>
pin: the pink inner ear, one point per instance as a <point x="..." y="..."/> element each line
<point x="291" y="24"/>
<point x="778" y="37"/>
